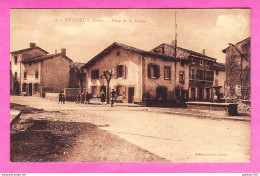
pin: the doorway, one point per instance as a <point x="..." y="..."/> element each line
<point x="207" y="94"/>
<point x="30" y="89"/>
<point x="131" y="92"/>
<point x="200" y="94"/>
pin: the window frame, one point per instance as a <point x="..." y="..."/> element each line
<point x="169" y="72"/>
<point x="183" y="77"/>
<point x="25" y="75"/>
<point x="192" y="74"/>
<point x="121" y="71"/>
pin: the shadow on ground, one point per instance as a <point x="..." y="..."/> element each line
<point x="57" y="141"/>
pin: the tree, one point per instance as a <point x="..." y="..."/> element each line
<point x="107" y="75"/>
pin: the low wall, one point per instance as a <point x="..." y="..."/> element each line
<point x="52" y="96"/>
<point x="71" y="93"/>
<point x="229" y="108"/>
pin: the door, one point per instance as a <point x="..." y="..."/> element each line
<point x="30" y="89"/>
<point x="193" y="94"/>
<point x="200" y="94"/>
<point x="207" y="94"/>
<point x="131" y="92"/>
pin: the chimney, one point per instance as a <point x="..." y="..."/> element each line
<point x="55" y="51"/>
<point x="63" y="51"/>
<point x="203" y="51"/>
<point x="173" y="42"/>
<point x="32" y="45"/>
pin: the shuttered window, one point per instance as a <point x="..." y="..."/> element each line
<point x="153" y="71"/>
<point x="121" y="71"/>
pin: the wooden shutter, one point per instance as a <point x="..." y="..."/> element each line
<point x="116" y="72"/>
<point x="124" y="92"/>
<point x="183" y="77"/>
<point x="157" y="71"/>
<point x="124" y="71"/>
<point x="149" y="70"/>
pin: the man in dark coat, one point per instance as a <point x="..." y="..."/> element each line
<point x="113" y="97"/>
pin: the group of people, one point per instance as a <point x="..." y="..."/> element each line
<point x="61" y="98"/>
<point x="83" y="98"/>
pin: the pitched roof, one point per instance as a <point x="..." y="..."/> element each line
<point x="41" y="58"/>
<point x="224" y="50"/>
<point x="126" y="47"/>
<point x="28" y="49"/>
<point x="187" y="51"/>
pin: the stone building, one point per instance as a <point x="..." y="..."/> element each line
<point x="35" y="72"/>
<point x="238" y="61"/>
<point x="154" y="75"/>
<point x="203" y="74"/>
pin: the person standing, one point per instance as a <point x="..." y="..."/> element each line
<point x="83" y="98"/>
<point x="87" y="98"/>
<point x="60" y="98"/>
<point x="113" y="97"/>
<point x="78" y="98"/>
<point x="102" y="96"/>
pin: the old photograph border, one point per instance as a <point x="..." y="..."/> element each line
<point x="7" y="166"/>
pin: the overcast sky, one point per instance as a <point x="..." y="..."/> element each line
<point x="86" y="32"/>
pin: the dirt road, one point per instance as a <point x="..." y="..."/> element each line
<point x="173" y="137"/>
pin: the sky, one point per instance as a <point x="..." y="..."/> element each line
<point x="86" y="32"/>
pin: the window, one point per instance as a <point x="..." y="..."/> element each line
<point x="25" y="74"/>
<point x="15" y="59"/>
<point x="167" y="72"/>
<point x="15" y="76"/>
<point x="94" y="74"/>
<point x="36" y="87"/>
<point x="217" y="72"/>
<point x="201" y="62"/>
<point x="153" y="71"/>
<point x="200" y="75"/>
<point x="120" y="71"/>
<point x="94" y="91"/>
<point x="118" y="53"/>
<point x="182" y="77"/>
<point x="192" y="74"/>
<point x="36" y="74"/>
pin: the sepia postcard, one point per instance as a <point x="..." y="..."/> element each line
<point x="140" y="87"/>
<point x="130" y="85"/>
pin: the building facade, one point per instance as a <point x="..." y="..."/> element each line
<point x="205" y="81"/>
<point x="238" y="72"/>
<point x="35" y="72"/>
<point x="155" y="75"/>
